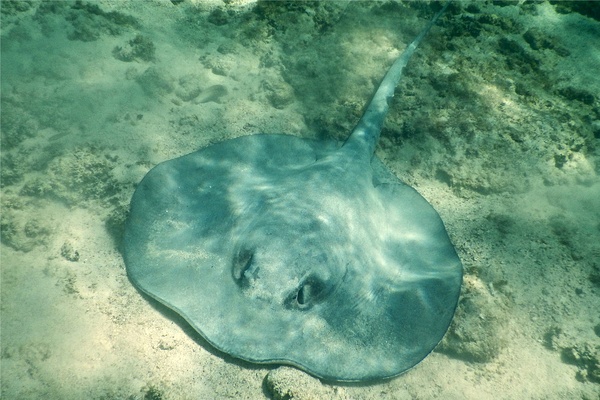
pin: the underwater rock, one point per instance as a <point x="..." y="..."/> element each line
<point x="517" y="58"/>
<point x="89" y="22"/>
<point x="582" y="95"/>
<point x="22" y="235"/>
<point x="138" y="48"/>
<point x="475" y="333"/>
<point x="212" y="93"/>
<point x="189" y="87"/>
<point x="286" y="383"/>
<point x="279" y="94"/>
<point x="584" y="354"/>
<point x="68" y="252"/>
<point x="155" y="82"/>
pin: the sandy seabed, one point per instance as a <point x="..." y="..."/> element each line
<point x="497" y="124"/>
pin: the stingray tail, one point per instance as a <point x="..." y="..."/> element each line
<point x="366" y="133"/>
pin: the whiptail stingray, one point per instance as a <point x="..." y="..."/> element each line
<point x="278" y="249"/>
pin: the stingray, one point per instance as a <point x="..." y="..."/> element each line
<point x="279" y="249"/>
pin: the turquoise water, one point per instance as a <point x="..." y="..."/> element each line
<point x="496" y="124"/>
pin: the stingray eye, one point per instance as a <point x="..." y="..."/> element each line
<point x="244" y="266"/>
<point x="310" y="292"/>
<point x="303" y="295"/>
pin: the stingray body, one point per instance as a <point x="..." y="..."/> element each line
<point x="278" y="249"/>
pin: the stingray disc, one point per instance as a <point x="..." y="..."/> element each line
<point x="284" y="250"/>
